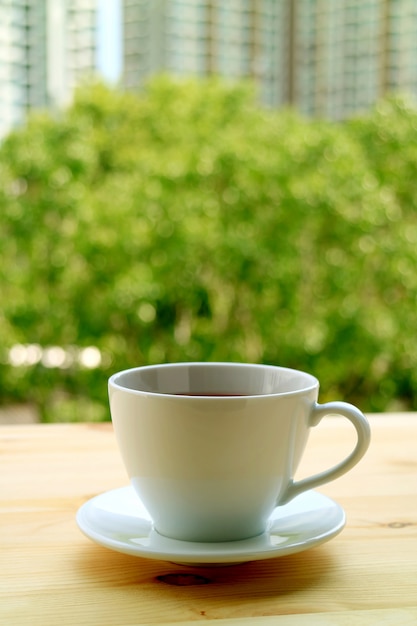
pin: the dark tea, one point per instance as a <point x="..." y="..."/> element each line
<point x="210" y="394"/>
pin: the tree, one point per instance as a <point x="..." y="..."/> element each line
<point x="188" y="223"/>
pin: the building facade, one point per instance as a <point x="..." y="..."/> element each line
<point x="46" y="47"/>
<point x="237" y="39"/>
<point x="327" y="58"/>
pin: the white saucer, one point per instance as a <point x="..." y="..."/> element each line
<point x="118" y="520"/>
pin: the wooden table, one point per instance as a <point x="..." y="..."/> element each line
<point x="51" y="574"/>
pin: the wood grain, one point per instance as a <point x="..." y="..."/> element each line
<point x="52" y="574"/>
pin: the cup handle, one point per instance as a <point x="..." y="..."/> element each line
<point x="363" y="432"/>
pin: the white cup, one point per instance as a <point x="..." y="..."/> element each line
<point x="212" y="448"/>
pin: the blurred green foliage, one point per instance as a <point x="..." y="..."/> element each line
<point x="188" y="223"/>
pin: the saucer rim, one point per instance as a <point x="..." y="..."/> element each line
<point x="208" y="553"/>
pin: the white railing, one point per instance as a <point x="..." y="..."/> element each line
<point x="26" y="355"/>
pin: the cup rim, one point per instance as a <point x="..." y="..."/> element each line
<point x="114" y="381"/>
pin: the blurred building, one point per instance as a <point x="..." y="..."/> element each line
<point x="237" y="38"/>
<point x="46" y="46"/>
<point x="327" y="57"/>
